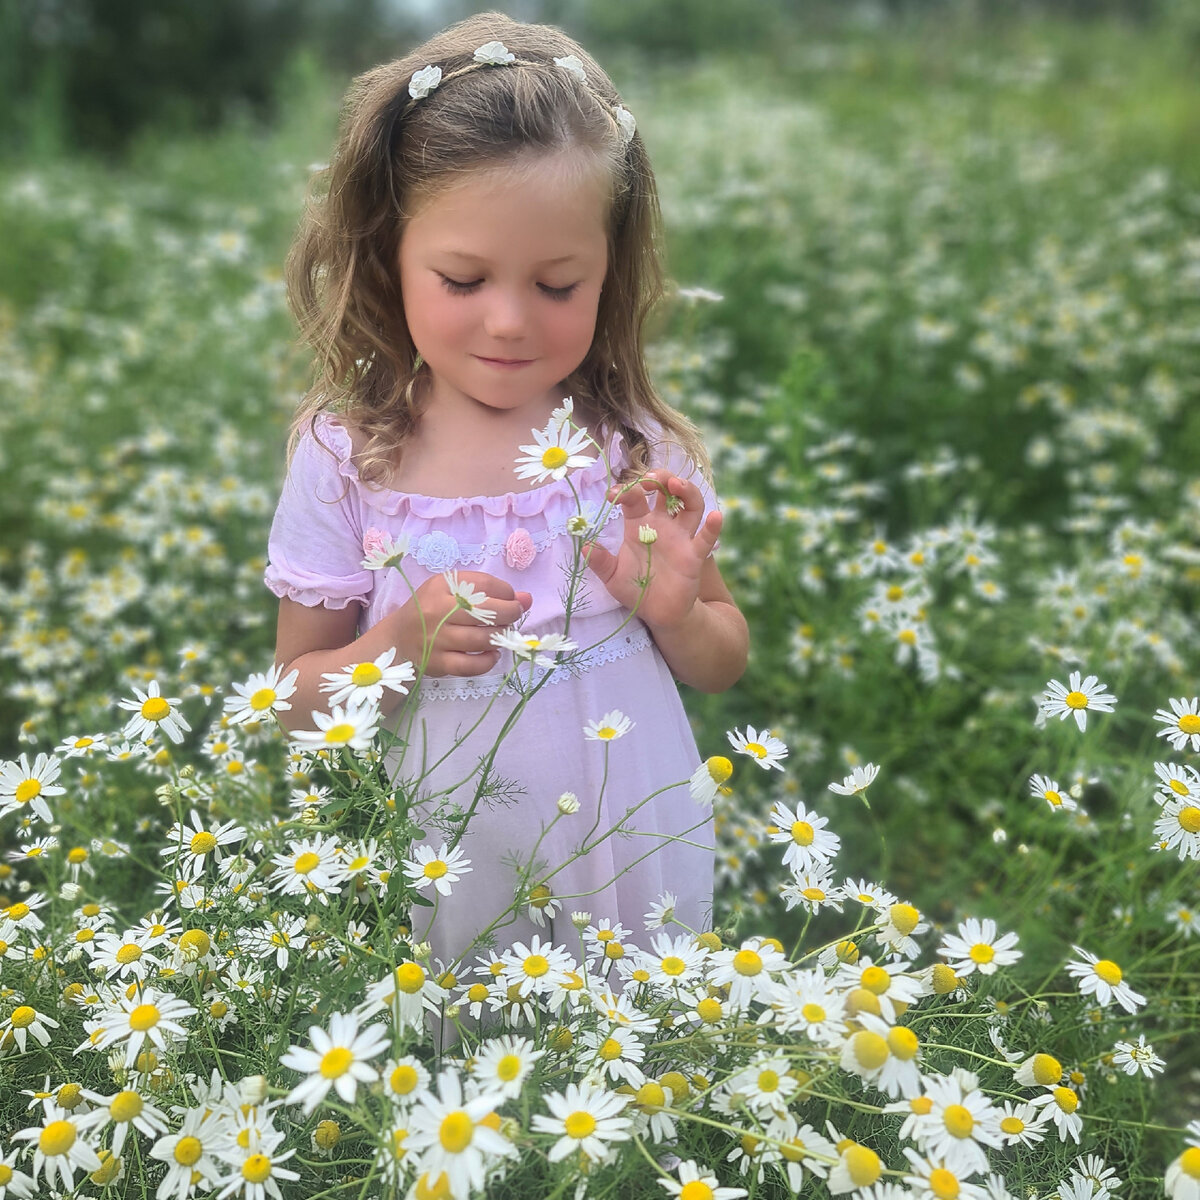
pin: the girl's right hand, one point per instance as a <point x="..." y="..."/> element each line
<point x="462" y="644"/>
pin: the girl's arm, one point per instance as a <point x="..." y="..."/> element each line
<point x="319" y="639"/>
<point x="663" y="572"/>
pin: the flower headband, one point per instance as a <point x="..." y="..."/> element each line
<point x="496" y="54"/>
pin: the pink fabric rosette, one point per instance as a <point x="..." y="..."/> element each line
<point x="519" y="550"/>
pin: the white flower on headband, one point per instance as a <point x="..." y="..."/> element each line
<point x="424" y="81"/>
<point x="495" y="54"/>
<point x="626" y="122"/>
<point x="571" y="63"/>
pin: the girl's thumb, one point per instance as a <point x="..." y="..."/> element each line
<point x="599" y="559"/>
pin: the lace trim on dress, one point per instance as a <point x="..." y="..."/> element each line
<point x="632" y="640"/>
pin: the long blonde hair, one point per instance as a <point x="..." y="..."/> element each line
<point x="392" y="156"/>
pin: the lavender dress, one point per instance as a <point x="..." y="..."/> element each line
<point x="315" y="552"/>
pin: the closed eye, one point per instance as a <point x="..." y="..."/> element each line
<point x="465" y="289"/>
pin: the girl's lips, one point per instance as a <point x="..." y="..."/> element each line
<point x="505" y="362"/>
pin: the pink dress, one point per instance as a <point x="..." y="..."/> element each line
<point x="315" y="557"/>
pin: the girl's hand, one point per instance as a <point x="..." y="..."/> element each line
<point x="462" y="644"/>
<point x="680" y="547"/>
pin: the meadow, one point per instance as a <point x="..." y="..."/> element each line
<point x="937" y="310"/>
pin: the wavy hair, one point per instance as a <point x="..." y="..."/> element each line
<point x="394" y="155"/>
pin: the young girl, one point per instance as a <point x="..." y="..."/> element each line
<point x="485" y="252"/>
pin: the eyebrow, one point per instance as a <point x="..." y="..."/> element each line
<point x="550" y="262"/>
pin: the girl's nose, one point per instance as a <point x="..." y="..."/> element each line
<point x="506" y="316"/>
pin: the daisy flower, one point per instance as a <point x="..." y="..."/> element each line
<point x="196" y="846"/>
<point x="933" y="1179"/>
<point x="503" y="1064"/>
<point x="188" y="1153"/>
<point x="380" y="549"/>
<point x="1100" y="1178"/>
<point x="802" y="1151"/>
<point x="747" y="970"/>
<point x="763" y="747"/>
<point x="806" y="1002"/>
<point x="405" y="1078"/>
<point x="148" y="1018"/>
<point x="311" y="867"/>
<point x="532" y="968"/>
<point x="617" y="1055"/>
<point x="661" y="912"/>
<point x="961" y="1122"/>
<point x="1177" y="781"/>
<point x="153" y="711"/>
<point x="406" y="993"/>
<point x="1182" y="1180"/>
<point x="1060" y="1103"/>
<point x="809" y="844"/>
<point x="26" y="1022"/>
<point x="1045" y="788"/>
<point x="857" y="781"/>
<point x="365" y="682"/>
<point x="584" y="1119"/>
<point x="813" y="890"/>
<point x="710" y="780"/>
<point x="1181" y="725"/>
<point x="126" y="1109"/>
<point x="1021" y="1122"/>
<point x="264" y="693"/>
<point x="532" y="648"/>
<point x="442" y="869"/>
<point x="543" y="904"/>
<point x="14" y="1183"/>
<point x="468" y="599"/>
<point x="673" y="962"/>
<point x="1038" y="1070"/>
<point x="695" y="1185"/>
<point x="1132" y="1057"/>
<point x="1178" y="828"/>
<point x="890" y="985"/>
<point x="338" y="1059"/>
<point x="59" y="1147"/>
<point x="354" y="728"/>
<point x="25" y="787"/>
<point x="764" y="1085"/>
<point x="857" y="1167"/>
<point x="256" y="1169"/>
<point x="1102" y="978"/>
<point x="452" y="1136"/>
<point x="556" y="450"/>
<point x="612" y="725"/>
<point x="1076" y="699"/>
<point x="976" y="948"/>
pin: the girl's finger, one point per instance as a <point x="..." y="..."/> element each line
<point x="454" y="663"/>
<point x="709" y="532"/>
<point x="600" y="560"/>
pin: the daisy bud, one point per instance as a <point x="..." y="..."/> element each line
<point x="253" y="1089"/>
<point x="70" y="891"/>
<point x="646" y="535"/>
<point x="568" y="804"/>
<point x="581" y="920"/>
<point x="422" y="950"/>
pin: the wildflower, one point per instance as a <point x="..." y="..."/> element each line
<point x="933" y="1179"/>
<point x="468" y="599"/>
<point x="809" y="844"/>
<point x="1133" y="1057"/>
<point x="252" y="1152"/>
<point x="568" y="804"/>
<point x="504" y="1063"/>
<point x="961" y="1122"/>
<point x="891" y="989"/>
<point x="122" y="955"/>
<point x="24" y="1022"/>
<point x="747" y="970"/>
<point x="1061" y="1104"/>
<point x="12" y="1181"/>
<point x="407" y="992"/>
<point x="709" y="780"/>
<point x="585" y="1119"/>
<point x="802" y="1150"/>
<point x="310" y="867"/>
<point x="857" y="1167"/>
<point x="25" y="788"/>
<point x="262" y="695"/>
<point x="531" y="648"/>
<point x="617" y="1055"/>
<point x="976" y="948"/>
<point x="365" y="682"/>
<point x="693" y="1185"/>
<point x="674" y="962"/>
<point x="857" y="781"/>
<point x="662" y="912"/>
<point x="353" y="728"/>
<point x="807" y="1001"/>
<point x="543" y="904"/>
<point x="612" y="725"/>
<point x="1021" y="1123"/>
<point x="1102" y="978"/>
<point x="442" y="869"/>
<point x="1101" y="1180"/>
<point x="1182" y="1180"/>
<point x="153" y="711"/>
<point x="380" y="549"/>
<point x="338" y="1059"/>
<point x="193" y="844"/>
<point x="896" y="930"/>
<point x="148" y="1018"/>
<point x="127" y="1108"/>
<point x="1045" y="788"/>
<point x="59" y="1149"/>
<point x="1182" y="724"/>
<point x="1176" y="781"/>
<point x="404" y="1078"/>
<point x="763" y="747"/>
<point x="531" y="968"/>
<point x="812" y="890"/>
<point x="1076" y="699"/>
<point x="556" y="450"/>
<point x="1178" y="828"/>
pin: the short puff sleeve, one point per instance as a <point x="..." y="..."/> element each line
<point x="314" y="550"/>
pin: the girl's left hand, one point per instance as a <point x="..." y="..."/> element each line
<point x="676" y="556"/>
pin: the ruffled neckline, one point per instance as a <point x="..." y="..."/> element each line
<point x="522" y="504"/>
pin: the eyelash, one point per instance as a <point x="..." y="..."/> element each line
<point x="464" y="289"/>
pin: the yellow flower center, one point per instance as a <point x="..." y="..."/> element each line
<point x="263" y="699"/>
<point x="218" y="1009"/>
<point x="1189" y="723"/>
<point x="1189" y="819"/>
<point x="903" y="1043"/>
<point x="614" y="950"/>
<point x="1012" y="1125"/>
<point x="306" y="862"/>
<point x="435" y="869"/>
<point x="673" y="965"/>
<point x="336" y="735"/>
<point x="580" y="1125"/>
<point x="876" y="980"/>
<point x="365" y="675"/>
<point x="477" y="993"/>
<point x="1189" y="1162"/>
<point x="188" y="1151"/>
<point x="27" y="789"/>
<point x="747" y="962"/>
<point x="870" y="1049"/>
<point x="709" y="1010"/>
<point x="814" y="1014"/>
<point x="921" y="1105"/>
<point x="802" y="833"/>
<point x="57" y="1138"/>
<point x="943" y="1184"/>
<point x="23" y="1016"/>
<point x="203" y="843"/>
<point x="195" y="943"/>
<point x="540" y="896"/>
<point x="696" y="1189"/>
<point x="1047" y="1069"/>
<point x="535" y="965"/>
<point x="768" y="1081"/>
<point x="958" y="1120"/>
<point x="327" y="1134"/>
<point x="1108" y="970"/>
<point x="155" y="709"/>
<point x="125" y="1105"/>
<point x="554" y="457"/>
<point x="1076" y="700"/>
<point x="456" y="1132"/>
<point x="128" y="953"/>
<point x="944" y="979"/>
<point x="904" y="917"/>
<point x="256" y="1168"/>
<point x="18" y="911"/>
<point x="719" y="768"/>
<point x="509" y="1067"/>
<point x="144" y="1017"/>
<point x="410" y="978"/>
<point x="981" y="952"/>
<point x="862" y="1165"/>
<point x="757" y="749"/>
<point x="610" y="1049"/>
<point x="336" y="1062"/>
<point x="404" y="1079"/>
<point x="439" y="1189"/>
<point x="651" y="1095"/>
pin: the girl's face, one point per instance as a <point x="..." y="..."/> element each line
<point x="505" y="267"/>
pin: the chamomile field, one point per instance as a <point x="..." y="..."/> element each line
<point x="936" y="307"/>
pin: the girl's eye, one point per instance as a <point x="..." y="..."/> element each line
<point x="464" y="289"/>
